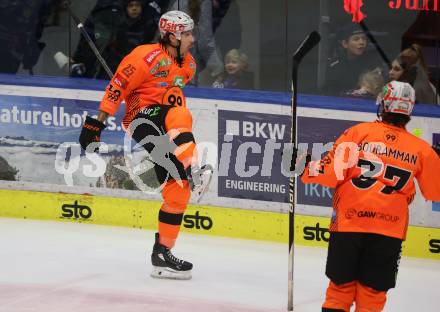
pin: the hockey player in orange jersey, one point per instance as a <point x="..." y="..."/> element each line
<point x="372" y="167"/>
<point x="150" y="80"/>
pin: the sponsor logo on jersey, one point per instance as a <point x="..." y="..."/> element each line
<point x="165" y="62"/>
<point x="154" y="69"/>
<point x="161" y="74"/>
<point x="352" y="213"/>
<point x="152" y="112"/>
<point x="178" y="81"/>
<point x="120" y="81"/>
<point x="197" y="221"/>
<point x="76" y="211"/>
<point x="152" y="55"/>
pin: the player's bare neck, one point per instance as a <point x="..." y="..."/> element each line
<point x="172" y="52"/>
<point x="398" y="125"/>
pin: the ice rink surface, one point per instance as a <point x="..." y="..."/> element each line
<point x="54" y="266"/>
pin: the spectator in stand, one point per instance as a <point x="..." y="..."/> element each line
<point x="116" y="26"/>
<point x="204" y="50"/>
<point x="350" y="61"/>
<point x="136" y="27"/>
<point x="236" y="74"/>
<point x="410" y="66"/>
<point x="219" y="10"/>
<point x="101" y="25"/>
<point x="54" y="18"/>
<point x="226" y="24"/>
<point x="21" y="27"/>
<point x="370" y="85"/>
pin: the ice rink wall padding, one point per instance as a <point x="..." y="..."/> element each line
<point x="422" y="242"/>
<point x="37" y="114"/>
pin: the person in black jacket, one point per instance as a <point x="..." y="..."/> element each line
<point x="21" y="27"/>
<point x="101" y="25"/>
<point x="116" y="27"/>
<point x="136" y="27"/>
<point x="351" y="60"/>
<point x="226" y="24"/>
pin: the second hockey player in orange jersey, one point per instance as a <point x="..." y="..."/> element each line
<point x="372" y="167"/>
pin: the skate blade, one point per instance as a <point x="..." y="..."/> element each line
<point x="167" y="273"/>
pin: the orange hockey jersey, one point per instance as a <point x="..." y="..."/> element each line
<point x="373" y="166"/>
<point x="148" y="75"/>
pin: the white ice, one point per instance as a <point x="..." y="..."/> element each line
<point x="53" y="266"/>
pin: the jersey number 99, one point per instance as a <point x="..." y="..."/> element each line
<point x="174" y="97"/>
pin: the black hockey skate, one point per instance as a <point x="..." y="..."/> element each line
<point x="166" y="265"/>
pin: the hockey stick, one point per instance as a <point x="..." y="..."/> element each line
<point x="376" y="44"/>
<point x="311" y="41"/>
<point x="90" y="42"/>
<point x="92" y="45"/>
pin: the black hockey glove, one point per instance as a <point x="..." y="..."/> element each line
<point x="436" y="148"/>
<point x="91" y="132"/>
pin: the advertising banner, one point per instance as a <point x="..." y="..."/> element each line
<point x="316" y="133"/>
<point x="39" y="144"/>
<point x="250" y="147"/>
<point x="39" y="150"/>
<point x="250" y="154"/>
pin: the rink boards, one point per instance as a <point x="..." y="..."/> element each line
<point x="38" y="116"/>
<point x="243" y="134"/>
<point x="209" y="220"/>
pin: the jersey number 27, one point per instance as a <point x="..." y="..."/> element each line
<point x="398" y="177"/>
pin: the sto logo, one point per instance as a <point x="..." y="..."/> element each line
<point x="353" y="7"/>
